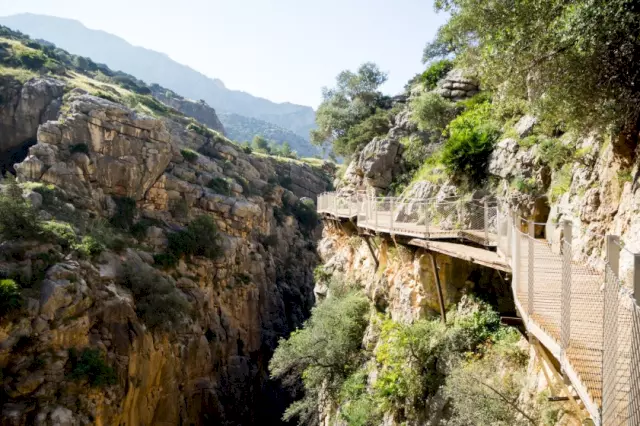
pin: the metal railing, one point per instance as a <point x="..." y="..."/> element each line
<point x="584" y="314"/>
<point x="423" y="218"/>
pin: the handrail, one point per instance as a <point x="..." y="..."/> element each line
<point x="587" y="317"/>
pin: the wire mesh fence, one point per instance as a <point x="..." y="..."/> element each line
<point x="585" y="308"/>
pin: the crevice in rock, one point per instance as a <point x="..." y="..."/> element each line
<point x="15" y="155"/>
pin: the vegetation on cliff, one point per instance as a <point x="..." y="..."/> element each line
<point x="365" y="366"/>
<point x="354" y="112"/>
<point x="575" y="61"/>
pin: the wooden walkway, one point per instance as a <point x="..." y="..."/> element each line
<point x="472" y="254"/>
<point x="561" y="301"/>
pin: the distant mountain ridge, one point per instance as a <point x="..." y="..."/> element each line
<point x="155" y="67"/>
<point x="241" y="129"/>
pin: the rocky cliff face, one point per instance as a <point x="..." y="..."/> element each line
<point x="209" y="368"/>
<point x="24" y="108"/>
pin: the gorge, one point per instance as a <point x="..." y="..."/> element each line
<point x="154" y="271"/>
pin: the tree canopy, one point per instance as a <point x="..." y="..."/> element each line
<point x="354" y="99"/>
<point x="575" y="61"/>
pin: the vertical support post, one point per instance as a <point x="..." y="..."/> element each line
<point x="531" y="267"/>
<point x="443" y="313"/>
<point x="634" y="394"/>
<point x="516" y="255"/>
<point x="375" y="205"/>
<point x="509" y="223"/>
<point x="391" y="207"/>
<point x="612" y="248"/>
<point x="486" y="222"/>
<point x="565" y="304"/>
<point x="610" y="327"/>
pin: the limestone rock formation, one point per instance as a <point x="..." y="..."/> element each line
<point x="458" y="85"/>
<point x="212" y="366"/>
<point x="124" y="153"/>
<point x="25" y="107"/>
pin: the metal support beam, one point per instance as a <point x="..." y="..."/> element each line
<point x="542" y="356"/>
<point x="373" y="253"/>
<point x="443" y="313"/>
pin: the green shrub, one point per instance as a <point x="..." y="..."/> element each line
<point x="107" y="96"/>
<point x="31" y="59"/>
<point x="219" y="186"/>
<point x="471" y="139"/>
<point x="158" y="302"/>
<point x="90" y="364"/>
<point x="199" y="239"/>
<point x="199" y="129"/>
<point x="555" y="153"/>
<point x="480" y="395"/>
<point x="560" y="183"/>
<point x="260" y="144"/>
<point x="79" y="147"/>
<point x="126" y="211"/>
<point x="305" y="214"/>
<point x="10" y="298"/>
<point x="360" y="134"/>
<point x="431" y="112"/>
<point x="525" y="185"/>
<point x="436" y="72"/>
<point x="18" y="220"/>
<point x="624" y="176"/>
<point x="189" y="155"/>
<point x="60" y="233"/>
<point x="246" y="148"/>
<point x="90" y="246"/>
<point x="148" y="101"/>
<point x="412" y="358"/>
<point x="102" y="236"/>
<point x="358" y="407"/>
<point x="324" y="352"/>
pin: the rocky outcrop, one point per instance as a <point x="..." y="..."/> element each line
<point x="198" y="110"/>
<point x="374" y="167"/>
<point x="306" y="181"/>
<point x="458" y="85"/>
<point x="212" y="366"/>
<point x="100" y="148"/>
<point x="23" y="107"/>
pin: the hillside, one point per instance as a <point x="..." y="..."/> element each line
<point x="241" y="128"/>
<point x="156" y="67"/>
<point x="144" y="257"/>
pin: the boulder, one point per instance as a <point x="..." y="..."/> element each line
<point x="524" y="126"/>
<point x="55" y="295"/>
<point x="62" y="416"/>
<point x="34" y="198"/>
<point x="377" y="160"/>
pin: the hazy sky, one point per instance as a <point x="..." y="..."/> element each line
<point x="283" y="50"/>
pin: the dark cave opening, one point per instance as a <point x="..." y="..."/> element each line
<point x="17" y="154"/>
